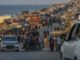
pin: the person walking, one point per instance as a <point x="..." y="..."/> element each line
<point x="19" y="39"/>
<point x="59" y="43"/>
<point x="37" y="42"/>
<point x="25" y="43"/>
<point x="40" y="43"/>
<point x="24" y="39"/>
<point x="51" y="43"/>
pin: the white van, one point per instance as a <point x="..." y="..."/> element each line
<point x="71" y="46"/>
<point x="9" y="42"/>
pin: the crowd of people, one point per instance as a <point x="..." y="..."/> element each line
<point x="31" y="40"/>
<point x="29" y="35"/>
<point x="49" y="19"/>
<point x="56" y="42"/>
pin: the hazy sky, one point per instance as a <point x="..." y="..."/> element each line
<point x="13" y="2"/>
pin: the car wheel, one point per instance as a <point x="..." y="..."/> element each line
<point x="2" y="50"/>
<point x="61" y="56"/>
<point x="75" y="58"/>
<point x="26" y="49"/>
<point x="17" y="50"/>
<point x="67" y="59"/>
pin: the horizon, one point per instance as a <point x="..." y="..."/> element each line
<point x="32" y="2"/>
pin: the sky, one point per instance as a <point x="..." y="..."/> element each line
<point x="25" y="2"/>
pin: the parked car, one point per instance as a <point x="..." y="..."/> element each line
<point x="9" y="42"/>
<point x="71" y="46"/>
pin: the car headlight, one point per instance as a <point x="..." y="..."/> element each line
<point x="3" y="45"/>
<point x="16" y="45"/>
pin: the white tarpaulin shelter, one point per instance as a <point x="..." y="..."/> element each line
<point x="2" y="18"/>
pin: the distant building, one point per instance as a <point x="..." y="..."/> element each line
<point x="56" y="7"/>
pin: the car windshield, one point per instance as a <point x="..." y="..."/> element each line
<point x="77" y="33"/>
<point x="74" y="33"/>
<point x="9" y="38"/>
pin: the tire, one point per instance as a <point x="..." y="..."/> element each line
<point x="61" y="56"/>
<point x="26" y="49"/>
<point x="75" y="58"/>
<point x="17" y="50"/>
<point x="66" y="59"/>
<point x="2" y="50"/>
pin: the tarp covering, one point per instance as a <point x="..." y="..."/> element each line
<point x="2" y="18"/>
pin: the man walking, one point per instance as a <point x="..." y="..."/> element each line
<point x="51" y="43"/>
<point x="59" y="43"/>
